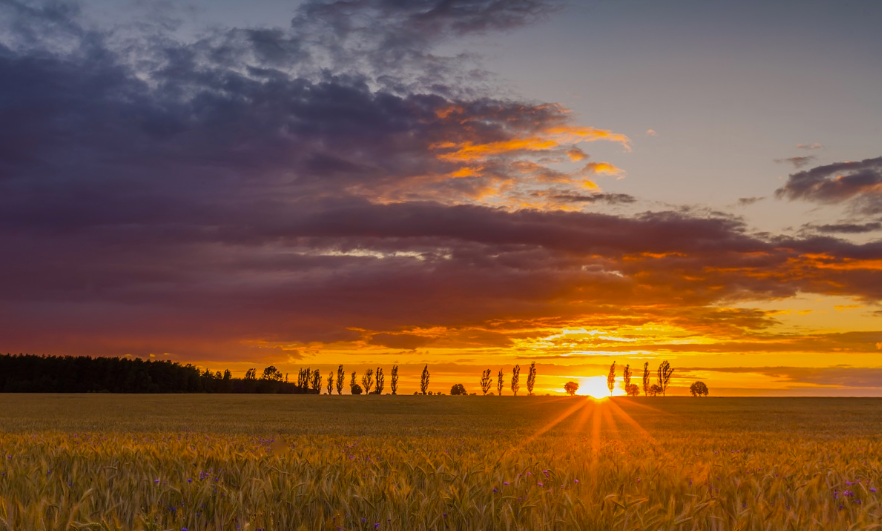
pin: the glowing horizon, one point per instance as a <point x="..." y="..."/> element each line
<point x="472" y="187"/>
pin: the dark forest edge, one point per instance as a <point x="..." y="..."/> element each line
<point x="28" y="373"/>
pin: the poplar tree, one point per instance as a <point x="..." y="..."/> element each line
<point x="486" y="382"/>
<point x="381" y="381"/>
<point x="531" y="378"/>
<point x="611" y="378"/>
<point x="424" y="380"/>
<point x="340" y="379"/>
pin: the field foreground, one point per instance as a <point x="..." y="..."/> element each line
<point x="460" y="463"/>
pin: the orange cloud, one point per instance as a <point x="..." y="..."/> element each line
<point x="602" y="168"/>
<point x="550" y="138"/>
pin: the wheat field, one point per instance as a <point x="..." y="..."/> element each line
<point x="188" y="462"/>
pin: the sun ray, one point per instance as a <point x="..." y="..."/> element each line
<point x="609" y="420"/>
<point x="618" y="412"/>
<point x="580" y="403"/>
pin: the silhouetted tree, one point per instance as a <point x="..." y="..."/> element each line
<point x="531" y="378"/>
<point x="249" y="383"/>
<point x="381" y="381"/>
<point x="368" y="381"/>
<point x="355" y="389"/>
<point x="500" y="381"/>
<point x="654" y="390"/>
<point x="424" y="380"/>
<point x="458" y="389"/>
<point x="632" y="390"/>
<point x="227" y="382"/>
<point x="486" y="382"/>
<point x="515" y="379"/>
<point x="646" y="378"/>
<point x="353" y="383"/>
<point x="303" y="376"/>
<point x="611" y="378"/>
<point x="316" y="381"/>
<point x="571" y="388"/>
<point x="698" y="389"/>
<point x="626" y="377"/>
<point x="394" y="383"/>
<point x="340" y="376"/>
<point x="664" y="376"/>
<point x="330" y="387"/>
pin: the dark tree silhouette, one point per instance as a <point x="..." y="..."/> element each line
<point x="355" y="389"/>
<point x="330" y="382"/>
<point x="486" y="382"/>
<point x="626" y="378"/>
<point x="368" y="381"/>
<point x="82" y="374"/>
<point x="394" y="383"/>
<point x="381" y="381"/>
<point x="571" y="388"/>
<point x="531" y="378"/>
<point x="698" y="389"/>
<point x="515" y="379"/>
<point x="664" y="376"/>
<point x="646" y="378"/>
<point x="340" y="377"/>
<point x="458" y="389"/>
<point x="654" y="390"/>
<point x="500" y="381"/>
<point x="353" y="383"/>
<point x="303" y="376"/>
<point x="632" y="390"/>
<point x="424" y="380"/>
<point x="316" y="381"/>
<point x="611" y="378"/>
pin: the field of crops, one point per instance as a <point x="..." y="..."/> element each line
<point x="459" y="463"/>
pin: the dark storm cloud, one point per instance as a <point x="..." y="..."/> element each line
<point x="421" y="21"/>
<point x="225" y="197"/>
<point x="839" y="182"/>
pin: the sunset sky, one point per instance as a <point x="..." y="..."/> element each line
<point x="467" y="184"/>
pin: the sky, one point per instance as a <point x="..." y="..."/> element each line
<point x="463" y="184"/>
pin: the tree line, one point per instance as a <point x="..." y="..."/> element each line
<point x="28" y="373"/>
<point x="660" y="387"/>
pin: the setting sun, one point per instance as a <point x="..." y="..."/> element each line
<point x="595" y="386"/>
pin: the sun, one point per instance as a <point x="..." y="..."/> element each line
<point x="595" y="387"/>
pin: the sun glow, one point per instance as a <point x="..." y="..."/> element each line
<point x="595" y="387"/>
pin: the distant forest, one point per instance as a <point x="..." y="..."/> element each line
<point x="27" y="373"/>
